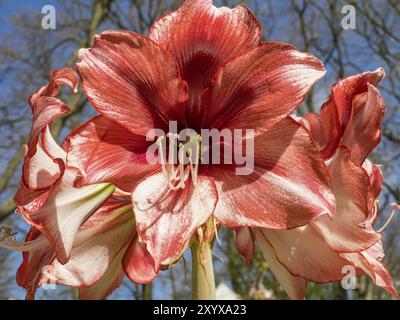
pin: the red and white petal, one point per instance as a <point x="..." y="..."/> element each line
<point x="46" y="107"/>
<point x="346" y="89"/>
<point x="351" y="116"/>
<point x="132" y="80"/>
<point x="99" y="235"/>
<point x="47" y="110"/>
<point x="294" y="286"/>
<point x="105" y="151"/>
<point x="245" y="243"/>
<point x="96" y="248"/>
<point x="371" y="262"/>
<point x="110" y="281"/>
<point x="65" y="210"/>
<point x="324" y="128"/>
<point x="345" y="231"/>
<point x="66" y="76"/>
<point x="41" y="171"/>
<point x="138" y="264"/>
<point x="375" y="176"/>
<point x="51" y="147"/>
<point x="290" y="184"/>
<point x="261" y="87"/>
<point x="167" y="219"/>
<point x="28" y="200"/>
<point x="34" y="242"/>
<point x="34" y="262"/>
<point x="304" y="252"/>
<point x="201" y="38"/>
<point x="44" y="160"/>
<point x="363" y="131"/>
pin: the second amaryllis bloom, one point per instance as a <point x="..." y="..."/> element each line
<point x="346" y="131"/>
<point x="83" y="237"/>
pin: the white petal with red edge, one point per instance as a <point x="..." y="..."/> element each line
<point x="294" y="286"/>
<point x="96" y="248"/>
<point x="166" y="219"/>
<point x="65" y="210"/>
<point x="345" y="232"/>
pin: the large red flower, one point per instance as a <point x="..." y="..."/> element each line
<point x="205" y="68"/>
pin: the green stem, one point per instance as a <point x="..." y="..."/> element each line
<point x="148" y="291"/>
<point x="203" y="283"/>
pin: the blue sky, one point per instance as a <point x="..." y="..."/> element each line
<point x="10" y="7"/>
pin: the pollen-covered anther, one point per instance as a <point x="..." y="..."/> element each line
<point x="6" y="233"/>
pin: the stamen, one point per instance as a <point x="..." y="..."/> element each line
<point x="182" y="179"/>
<point x="395" y="207"/>
<point x="7" y="240"/>
<point x="216" y="233"/>
<point x="194" y="168"/>
<point x="371" y="220"/>
<point x="176" y="176"/>
<point x="375" y="211"/>
<point x="171" y="154"/>
<point x="6" y="233"/>
<point x="162" y="158"/>
<point x="218" y="257"/>
<point x="164" y="166"/>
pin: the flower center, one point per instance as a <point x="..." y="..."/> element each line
<point x="183" y="159"/>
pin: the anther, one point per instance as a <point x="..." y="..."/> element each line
<point x="6" y="233"/>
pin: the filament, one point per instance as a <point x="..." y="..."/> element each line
<point x="395" y="207"/>
<point x="177" y="174"/>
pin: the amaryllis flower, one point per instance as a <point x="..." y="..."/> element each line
<point x="204" y="68"/>
<point x="100" y="255"/>
<point x="347" y="129"/>
<point x="95" y="261"/>
<point x="47" y="197"/>
<point x="99" y="208"/>
<point x="81" y="234"/>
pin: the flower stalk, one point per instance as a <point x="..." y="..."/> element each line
<point x="203" y="282"/>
